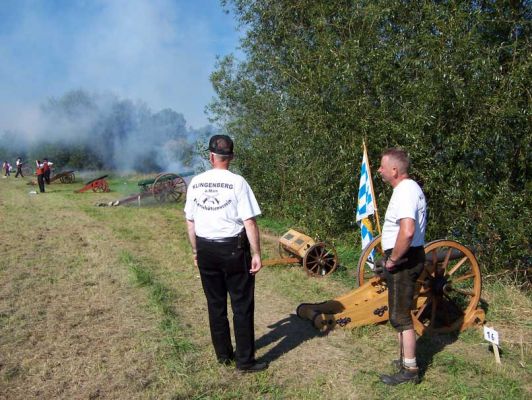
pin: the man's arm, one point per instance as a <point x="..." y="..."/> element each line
<point x="252" y="232"/>
<point x="407" y="228"/>
<point x="192" y="238"/>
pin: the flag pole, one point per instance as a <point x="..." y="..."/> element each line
<point x="372" y="190"/>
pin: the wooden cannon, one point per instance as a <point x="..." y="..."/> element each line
<point x="64" y="177"/>
<point x="318" y="258"/>
<point x="96" y="185"/>
<point x="165" y="187"/>
<point x="446" y="299"/>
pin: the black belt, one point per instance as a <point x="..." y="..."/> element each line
<point x="232" y="239"/>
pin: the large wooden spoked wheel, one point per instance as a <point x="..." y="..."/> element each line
<point x="168" y="188"/>
<point x="320" y="259"/>
<point x="371" y="257"/>
<point x="101" y="186"/>
<point x="68" y="178"/>
<point x="448" y="290"/>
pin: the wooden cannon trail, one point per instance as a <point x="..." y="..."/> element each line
<point x="446" y="300"/>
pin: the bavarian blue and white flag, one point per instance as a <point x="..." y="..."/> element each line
<point x="365" y="206"/>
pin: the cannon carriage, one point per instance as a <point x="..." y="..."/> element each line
<point x="64" y="177"/>
<point x="165" y="188"/>
<point x="96" y="185"/>
<point x="446" y="300"/>
<point x="317" y="258"/>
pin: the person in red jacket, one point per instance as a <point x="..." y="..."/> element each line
<point x="47" y="164"/>
<point x="39" y="170"/>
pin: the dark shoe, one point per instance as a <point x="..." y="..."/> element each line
<point x="405" y="375"/>
<point x="257" y="367"/>
<point x="226" y="360"/>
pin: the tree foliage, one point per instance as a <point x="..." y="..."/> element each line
<point x="446" y="80"/>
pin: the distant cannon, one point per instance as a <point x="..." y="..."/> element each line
<point x="96" y="185"/>
<point x="318" y="258"/>
<point x="446" y="298"/>
<point x="165" y="187"/>
<point x="64" y="177"/>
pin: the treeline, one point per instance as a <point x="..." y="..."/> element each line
<point x="82" y="130"/>
<point x="449" y="81"/>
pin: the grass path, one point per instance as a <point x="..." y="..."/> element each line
<point x="100" y="302"/>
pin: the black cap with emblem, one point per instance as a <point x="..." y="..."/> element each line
<point x="221" y="145"/>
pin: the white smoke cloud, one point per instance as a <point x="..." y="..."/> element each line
<point x="159" y="51"/>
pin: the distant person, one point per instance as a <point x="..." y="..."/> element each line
<point x="220" y="210"/>
<point x="39" y="171"/>
<point x="7" y="168"/>
<point x="47" y="165"/>
<point x="19" y="165"/>
<point x="403" y="239"/>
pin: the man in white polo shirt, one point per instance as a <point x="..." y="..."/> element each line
<point x="220" y="210"/>
<point x="403" y="239"/>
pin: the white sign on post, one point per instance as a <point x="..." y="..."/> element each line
<point x="491" y="335"/>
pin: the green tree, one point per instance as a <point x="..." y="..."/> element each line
<point x="446" y="80"/>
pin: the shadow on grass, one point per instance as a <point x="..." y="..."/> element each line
<point x="289" y="332"/>
<point x="428" y="346"/>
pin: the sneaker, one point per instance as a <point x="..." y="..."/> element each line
<point x="257" y="367"/>
<point x="405" y="375"/>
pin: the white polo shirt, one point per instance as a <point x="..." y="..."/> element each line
<point x="219" y="201"/>
<point x="408" y="201"/>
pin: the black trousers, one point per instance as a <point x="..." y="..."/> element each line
<point x="47" y="176"/>
<point x="401" y="284"/>
<point x="19" y="172"/>
<point x="40" y="179"/>
<point x="224" y="269"/>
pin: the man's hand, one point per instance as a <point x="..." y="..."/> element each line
<point x="390" y="264"/>
<point x="256" y="264"/>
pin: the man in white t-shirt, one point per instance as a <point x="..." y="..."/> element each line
<point x="403" y="239"/>
<point x="220" y="210"/>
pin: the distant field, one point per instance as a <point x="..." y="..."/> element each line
<point x="105" y="303"/>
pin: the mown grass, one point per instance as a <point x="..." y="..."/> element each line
<point x="120" y="280"/>
<point x="163" y="299"/>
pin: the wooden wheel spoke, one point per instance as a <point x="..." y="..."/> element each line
<point x="452" y="303"/>
<point x="463" y="278"/>
<point x="458" y="265"/>
<point x="424" y="291"/>
<point x="446" y="261"/>
<point x="434" y="261"/>
<point x="433" y="312"/>
<point x="462" y="291"/>
<point x="421" y="309"/>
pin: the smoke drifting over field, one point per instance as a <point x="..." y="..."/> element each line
<point x="101" y="131"/>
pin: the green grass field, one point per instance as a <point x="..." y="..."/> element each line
<point x="105" y="303"/>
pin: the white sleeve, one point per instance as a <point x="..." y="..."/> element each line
<point x="247" y="206"/>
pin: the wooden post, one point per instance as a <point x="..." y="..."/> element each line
<point x="372" y="190"/>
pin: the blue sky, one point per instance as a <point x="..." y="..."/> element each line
<point x="158" y="51"/>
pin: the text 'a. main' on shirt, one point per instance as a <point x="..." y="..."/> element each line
<point x="223" y="196"/>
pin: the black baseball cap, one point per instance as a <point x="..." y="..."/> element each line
<point x="221" y="145"/>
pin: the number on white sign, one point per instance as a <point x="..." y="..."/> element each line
<point x="491" y="335"/>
